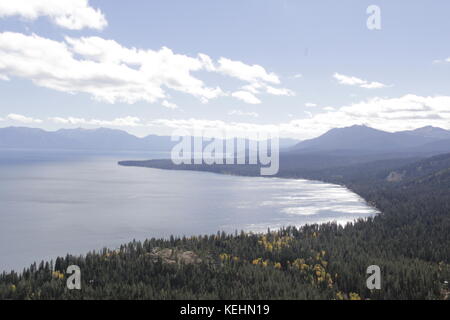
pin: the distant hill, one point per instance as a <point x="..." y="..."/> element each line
<point x="437" y="167"/>
<point x="364" y="139"/>
<point x="351" y="141"/>
<point x="80" y="139"/>
<point x="431" y="132"/>
<point x="101" y="139"/>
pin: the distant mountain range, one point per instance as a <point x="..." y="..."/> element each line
<point x="101" y="139"/>
<point x="349" y="140"/>
<point x="80" y="139"/>
<point x="363" y="139"/>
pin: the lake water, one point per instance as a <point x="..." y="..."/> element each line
<point x="58" y="203"/>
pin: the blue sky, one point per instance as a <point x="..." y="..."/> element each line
<point x="318" y="65"/>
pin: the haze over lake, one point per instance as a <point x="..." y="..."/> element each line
<point x="58" y="203"/>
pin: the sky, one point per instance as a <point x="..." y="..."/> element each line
<point x="296" y="67"/>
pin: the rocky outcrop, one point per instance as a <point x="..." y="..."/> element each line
<point x="395" y="177"/>
<point x="175" y="256"/>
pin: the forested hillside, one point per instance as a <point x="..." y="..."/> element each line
<point x="409" y="240"/>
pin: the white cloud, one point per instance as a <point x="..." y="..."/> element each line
<point x="242" y="113"/>
<point x="390" y="114"/>
<point x="245" y="72"/>
<point x="111" y="73"/>
<point x="69" y="120"/>
<point x="201" y="125"/>
<point x="354" y="81"/>
<point x="279" y="91"/>
<point x="310" y="105"/>
<point x="404" y="109"/>
<point x="348" y="80"/>
<point x="118" y="122"/>
<point x="441" y="61"/>
<point x="257" y="88"/>
<point x="22" y="119"/>
<point x="373" y="85"/>
<point x="247" y="97"/>
<point x="298" y="76"/>
<point x="253" y="88"/>
<point x="257" y="77"/>
<point x="207" y="62"/>
<point x="169" y="105"/>
<point x="105" y="70"/>
<point x="70" y="14"/>
<point x="308" y="113"/>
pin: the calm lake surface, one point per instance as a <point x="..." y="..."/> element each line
<point x="57" y="203"/>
